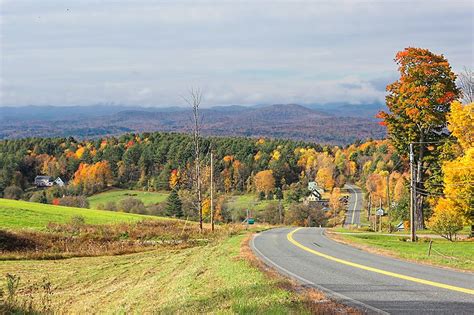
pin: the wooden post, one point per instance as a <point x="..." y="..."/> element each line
<point x="429" y="248"/>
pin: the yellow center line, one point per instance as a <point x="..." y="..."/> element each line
<point x="376" y="270"/>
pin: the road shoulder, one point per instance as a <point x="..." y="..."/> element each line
<point x="340" y="238"/>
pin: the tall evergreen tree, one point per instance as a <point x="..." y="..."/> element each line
<point x="174" y="206"/>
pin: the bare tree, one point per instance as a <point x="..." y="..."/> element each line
<point x="466" y="83"/>
<point x="194" y="100"/>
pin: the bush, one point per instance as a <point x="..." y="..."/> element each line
<point x="131" y="205"/>
<point x="74" y="201"/>
<point x="305" y="215"/>
<point x="12" y="192"/>
<point x="39" y="196"/>
<point x="271" y="214"/>
<point x="157" y="209"/>
<point x="111" y="206"/>
<point x="446" y="221"/>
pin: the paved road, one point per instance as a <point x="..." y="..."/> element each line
<point x="373" y="283"/>
<point x="354" y="206"/>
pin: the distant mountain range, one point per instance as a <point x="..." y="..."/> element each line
<point x="329" y="123"/>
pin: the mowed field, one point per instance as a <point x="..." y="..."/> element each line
<point x="116" y="195"/>
<point x="22" y="214"/>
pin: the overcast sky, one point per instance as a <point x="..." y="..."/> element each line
<point x="144" y="52"/>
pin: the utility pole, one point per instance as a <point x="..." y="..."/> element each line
<point x="380" y="217"/>
<point x="412" y="196"/>
<point x="369" y="207"/>
<point x="388" y="204"/>
<point x="212" y="192"/>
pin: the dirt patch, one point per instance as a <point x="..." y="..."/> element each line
<point x="316" y="301"/>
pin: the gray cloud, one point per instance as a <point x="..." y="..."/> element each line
<point x="241" y="52"/>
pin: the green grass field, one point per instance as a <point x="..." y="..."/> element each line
<point x="458" y="254"/>
<point x="22" y="214"/>
<point x="248" y="201"/>
<point x="209" y="279"/>
<point x="119" y="194"/>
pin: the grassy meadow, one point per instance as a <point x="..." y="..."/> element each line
<point x="459" y="254"/>
<point x="248" y="201"/>
<point x="30" y="215"/>
<point x="210" y="278"/>
<point x="116" y="195"/>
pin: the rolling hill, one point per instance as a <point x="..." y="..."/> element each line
<point x="317" y="124"/>
<point x="22" y="214"/>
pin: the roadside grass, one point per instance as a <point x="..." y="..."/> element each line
<point x="16" y="214"/>
<point x="459" y="255"/>
<point x="116" y="195"/>
<point x="354" y="229"/>
<point x="212" y="278"/>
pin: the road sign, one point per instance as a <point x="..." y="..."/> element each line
<point x="380" y="212"/>
<point x="251" y="220"/>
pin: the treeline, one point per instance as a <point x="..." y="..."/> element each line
<point x="164" y="161"/>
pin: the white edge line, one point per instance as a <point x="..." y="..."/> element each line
<point x="337" y="296"/>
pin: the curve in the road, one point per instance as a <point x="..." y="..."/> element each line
<point x="373" y="283"/>
<point x="355" y="205"/>
<point x="384" y="272"/>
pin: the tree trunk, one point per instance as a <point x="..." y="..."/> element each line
<point x="419" y="218"/>
<point x="420" y="223"/>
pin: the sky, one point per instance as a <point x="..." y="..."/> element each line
<point x="150" y="53"/>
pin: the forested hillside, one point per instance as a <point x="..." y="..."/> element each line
<point x="287" y="121"/>
<point x="164" y="161"/>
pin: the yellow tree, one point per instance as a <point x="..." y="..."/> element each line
<point x="460" y="123"/>
<point x="264" y="181"/>
<point x="459" y="173"/>
<point x="324" y="178"/>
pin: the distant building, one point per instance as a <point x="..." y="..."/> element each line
<point x="59" y="182"/>
<point x="43" y="181"/>
<point x="47" y="181"/>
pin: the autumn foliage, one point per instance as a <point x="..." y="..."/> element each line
<point x="93" y="177"/>
<point x="264" y="181"/>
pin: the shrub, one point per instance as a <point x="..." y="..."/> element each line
<point x="74" y="201"/>
<point x="131" y="205"/>
<point x="305" y="215"/>
<point x="39" y="196"/>
<point x="12" y="192"/>
<point x="111" y="206"/>
<point x="446" y="221"/>
<point x="271" y="214"/>
<point x="157" y="209"/>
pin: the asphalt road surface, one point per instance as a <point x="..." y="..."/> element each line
<point x="354" y="206"/>
<point x="373" y="283"/>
